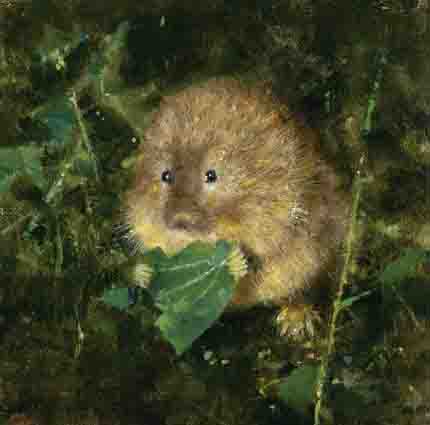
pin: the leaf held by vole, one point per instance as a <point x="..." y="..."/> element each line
<point x="191" y="288"/>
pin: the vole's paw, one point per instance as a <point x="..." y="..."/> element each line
<point x="298" y="321"/>
<point x="143" y="274"/>
<point x="237" y="263"/>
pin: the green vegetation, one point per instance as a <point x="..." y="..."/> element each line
<point x="76" y="96"/>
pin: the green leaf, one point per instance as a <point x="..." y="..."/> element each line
<point x="82" y="165"/>
<point x="347" y="302"/>
<point x="118" y="298"/>
<point x="298" y="390"/>
<point x="192" y="289"/>
<point x="56" y="45"/>
<point x="404" y="267"/>
<point x="23" y="160"/>
<point x="103" y="60"/>
<point x="59" y="117"/>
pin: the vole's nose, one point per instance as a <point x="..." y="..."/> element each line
<point x="182" y="221"/>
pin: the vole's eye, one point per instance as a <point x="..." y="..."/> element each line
<point x="167" y="176"/>
<point x="210" y="176"/>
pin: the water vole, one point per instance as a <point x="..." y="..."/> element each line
<point x="225" y="161"/>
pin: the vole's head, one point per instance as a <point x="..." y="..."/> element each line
<point x="218" y="162"/>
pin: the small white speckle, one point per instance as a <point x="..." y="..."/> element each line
<point x="208" y="354"/>
<point x="225" y="362"/>
<point x="26" y="320"/>
<point x="98" y="113"/>
<point x="162" y="21"/>
<point x="133" y="140"/>
<point x="263" y="354"/>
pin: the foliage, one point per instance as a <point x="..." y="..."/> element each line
<point x="191" y="288"/>
<point x="59" y="118"/>
<point x="56" y="45"/>
<point x="347" y="302"/>
<point x="21" y="161"/>
<point x="406" y="266"/>
<point x="78" y="243"/>
<point x="298" y="390"/>
<point x="117" y="297"/>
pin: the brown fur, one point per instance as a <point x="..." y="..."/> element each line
<point x="274" y="193"/>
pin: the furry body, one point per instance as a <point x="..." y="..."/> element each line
<point x="224" y="161"/>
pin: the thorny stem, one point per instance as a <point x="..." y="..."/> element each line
<point x="357" y="187"/>
<point x="337" y="306"/>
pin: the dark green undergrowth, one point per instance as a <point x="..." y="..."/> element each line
<point x="76" y="92"/>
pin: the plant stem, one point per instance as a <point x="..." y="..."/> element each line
<point x="337" y="306"/>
